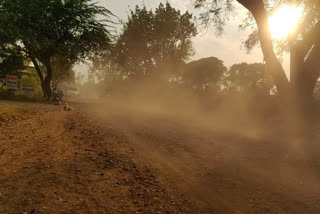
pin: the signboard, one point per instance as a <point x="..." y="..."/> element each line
<point x="27" y="88"/>
<point x="12" y="82"/>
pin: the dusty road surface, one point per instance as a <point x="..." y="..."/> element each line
<point x="223" y="166"/>
<point x="54" y="161"/>
<point x="115" y="158"/>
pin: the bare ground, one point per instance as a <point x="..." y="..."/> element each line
<point x="60" y="162"/>
<point x="223" y="166"/>
<point x="116" y="159"/>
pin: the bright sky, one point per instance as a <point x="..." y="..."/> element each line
<point x="206" y="44"/>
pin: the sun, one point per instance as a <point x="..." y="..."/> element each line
<point x="284" y="21"/>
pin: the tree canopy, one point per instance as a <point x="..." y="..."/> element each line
<point x="154" y="40"/>
<point x="10" y="60"/>
<point x="44" y="29"/>
<point x="202" y="72"/>
<point x="250" y="78"/>
<point x="62" y="70"/>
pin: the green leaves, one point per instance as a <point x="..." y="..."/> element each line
<point x="246" y="77"/>
<point x="47" y="28"/>
<point x="214" y="12"/>
<point x="154" y="40"/>
<point x="204" y="71"/>
<point x="11" y="60"/>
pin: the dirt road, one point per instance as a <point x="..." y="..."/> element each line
<point x="60" y="162"/>
<point x="238" y="169"/>
<point x="108" y="158"/>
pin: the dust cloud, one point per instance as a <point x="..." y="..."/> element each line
<point x="231" y="148"/>
<point x="233" y="113"/>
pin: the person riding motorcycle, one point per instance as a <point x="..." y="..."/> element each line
<point x="56" y="95"/>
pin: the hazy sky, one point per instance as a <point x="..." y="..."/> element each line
<point x="206" y="44"/>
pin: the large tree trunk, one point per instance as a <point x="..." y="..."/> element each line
<point x="257" y="9"/>
<point x="312" y="67"/>
<point x="291" y="106"/>
<point x="301" y="78"/>
<point x="302" y="88"/>
<point x="48" y="79"/>
<point x="307" y="74"/>
<point x="36" y="66"/>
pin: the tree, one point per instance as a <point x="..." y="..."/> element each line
<point x="44" y="29"/>
<point x="154" y="41"/>
<point x="62" y="69"/>
<point x="11" y="60"/>
<point x="304" y="43"/>
<point x="248" y="78"/>
<point x="201" y="73"/>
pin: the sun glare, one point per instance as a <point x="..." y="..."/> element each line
<point x="284" y="21"/>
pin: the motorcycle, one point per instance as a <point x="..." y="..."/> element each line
<point x="56" y="95"/>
